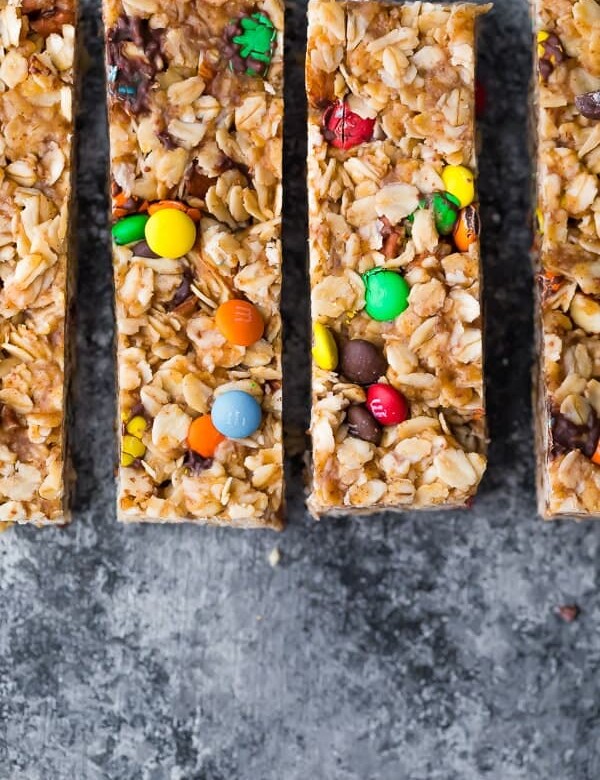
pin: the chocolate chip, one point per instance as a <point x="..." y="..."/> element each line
<point x="167" y="140"/>
<point x="138" y="410"/>
<point x="589" y="105"/>
<point x="197" y="183"/>
<point x="9" y="418"/>
<point x="362" y="362"/>
<point x="183" y="292"/>
<point x="362" y="424"/>
<point x="550" y="54"/>
<point x="130" y="78"/>
<point x="196" y="463"/>
<point x="545" y="69"/>
<point x="141" y="249"/>
<point x="567" y="436"/>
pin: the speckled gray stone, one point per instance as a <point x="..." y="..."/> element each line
<point x="419" y="647"/>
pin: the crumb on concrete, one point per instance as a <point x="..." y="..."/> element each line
<point x="274" y="557"/>
<point x="569" y="612"/>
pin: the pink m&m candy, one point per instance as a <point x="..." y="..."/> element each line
<point x="386" y="404"/>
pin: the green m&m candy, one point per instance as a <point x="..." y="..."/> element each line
<point x="445" y="208"/>
<point x="386" y="294"/>
<point x="129" y="229"/>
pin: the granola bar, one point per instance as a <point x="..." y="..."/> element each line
<point x="398" y="408"/>
<point x="566" y="255"/>
<point x="195" y="115"/>
<point x="36" y="127"/>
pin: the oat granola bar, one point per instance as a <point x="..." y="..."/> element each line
<point x="36" y="128"/>
<point x="398" y="409"/>
<point x="195" y="115"/>
<point x="566" y="125"/>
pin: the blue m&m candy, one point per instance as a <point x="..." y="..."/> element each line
<point x="236" y="414"/>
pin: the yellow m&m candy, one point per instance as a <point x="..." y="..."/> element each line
<point x="459" y="181"/>
<point x="170" y="233"/>
<point x="324" y="351"/>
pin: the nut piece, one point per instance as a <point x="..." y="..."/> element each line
<point x="585" y="313"/>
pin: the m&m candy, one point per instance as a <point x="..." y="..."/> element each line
<point x="386" y="404"/>
<point x="170" y="233"/>
<point x="362" y="362"/>
<point x="344" y="128"/>
<point x="129" y="229"/>
<point x="386" y="294"/>
<point x="240" y="322"/>
<point x="203" y="438"/>
<point x="236" y="414"/>
<point x="362" y="424"/>
<point x="324" y="351"/>
<point x="459" y="181"/>
<point x="445" y="208"/>
<point x="467" y="228"/>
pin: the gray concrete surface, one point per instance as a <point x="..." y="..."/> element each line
<point x="391" y="648"/>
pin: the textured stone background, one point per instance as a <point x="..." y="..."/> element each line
<point x="393" y="648"/>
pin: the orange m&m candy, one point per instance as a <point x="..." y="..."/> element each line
<point x="203" y="437"/>
<point x="466" y="231"/>
<point x="240" y="322"/>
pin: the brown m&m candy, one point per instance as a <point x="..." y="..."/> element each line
<point x="362" y="362"/>
<point x="362" y="424"/>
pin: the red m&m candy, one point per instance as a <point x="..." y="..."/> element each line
<point x="343" y="128"/>
<point x="386" y="404"/>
